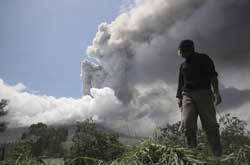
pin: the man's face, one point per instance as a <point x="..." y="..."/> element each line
<point x="185" y="53"/>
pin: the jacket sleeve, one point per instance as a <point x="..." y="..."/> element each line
<point x="210" y="68"/>
<point x="180" y="84"/>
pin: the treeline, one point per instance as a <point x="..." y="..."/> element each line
<point x="88" y="144"/>
<point x="91" y="145"/>
<point x="39" y="141"/>
<point x="3" y="112"/>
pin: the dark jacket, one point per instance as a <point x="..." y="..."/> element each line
<point x="195" y="73"/>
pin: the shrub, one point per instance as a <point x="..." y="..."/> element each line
<point x="93" y="144"/>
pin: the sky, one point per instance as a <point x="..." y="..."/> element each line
<point x="43" y="42"/>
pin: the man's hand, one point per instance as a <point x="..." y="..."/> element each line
<point x="217" y="99"/>
<point x="215" y="87"/>
<point x="179" y="102"/>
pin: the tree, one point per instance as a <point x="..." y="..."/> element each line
<point x="3" y="112"/>
<point x="20" y="153"/>
<point x="45" y="140"/>
<point x="89" y="142"/>
<point x="234" y="134"/>
<point x="3" y="125"/>
<point x="56" y="136"/>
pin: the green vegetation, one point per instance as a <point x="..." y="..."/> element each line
<point x="91" y="145"/>
<point x="168" y="147"/>
<point x="44" y="140"/>
<point x="3" y="112"/>
<point x="39" y="141"/>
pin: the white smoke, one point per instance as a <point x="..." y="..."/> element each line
<point x="141" y="117"/>
<point x="26" y="108"/>
<point x="92" y="75"/>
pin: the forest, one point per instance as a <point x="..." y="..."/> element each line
<point x="92" y="145"/>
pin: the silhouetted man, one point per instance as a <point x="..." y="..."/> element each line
<point x="197" y="93"/>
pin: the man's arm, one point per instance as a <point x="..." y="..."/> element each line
<point x="213" y="75"/>
<point x="180" y="85"/>
<point x="215" y="88"/>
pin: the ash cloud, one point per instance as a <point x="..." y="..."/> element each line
<point x="128" y="47"/>
<point x="141" y="44"/>
<point x="234" y="98"/>
<point x="221" y="28"/>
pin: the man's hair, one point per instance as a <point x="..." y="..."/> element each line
<point x="186" y="45"/>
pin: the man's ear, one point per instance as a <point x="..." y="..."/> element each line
<point x="179" y="53"/>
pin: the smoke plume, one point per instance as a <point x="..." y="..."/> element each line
<point x="103" y="106"/>
<point x="140" y="45"/>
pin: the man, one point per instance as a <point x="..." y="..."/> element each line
<point x="197" y="93"/>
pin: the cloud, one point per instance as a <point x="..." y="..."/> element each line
<point x="26" y="108"/>
<point x="234" y="98"/>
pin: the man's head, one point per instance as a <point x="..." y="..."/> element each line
<point x="186" y="48"/>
